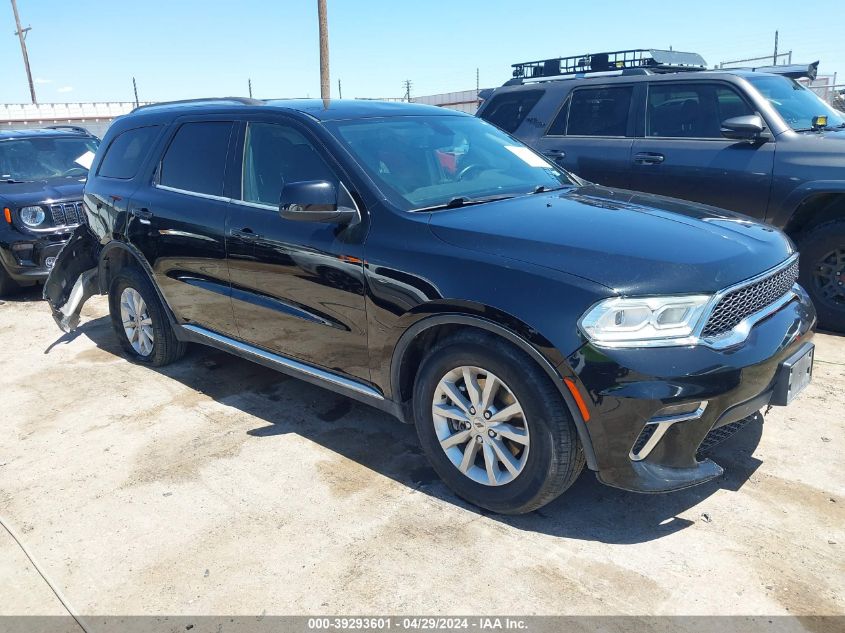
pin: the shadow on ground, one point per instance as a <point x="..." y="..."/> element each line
<point x="587" y="511"/>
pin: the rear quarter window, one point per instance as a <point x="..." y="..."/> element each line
<point x="126" y="152"/>
<point x="508" y="110"/>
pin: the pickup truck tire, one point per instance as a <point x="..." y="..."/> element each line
<point x="545" y="460"/>
<point x="133" y="301"/>
<point x="8" y="285"/>
<point x="823" y="272"/>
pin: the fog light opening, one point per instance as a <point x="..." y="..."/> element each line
<point x="656" y="427"/>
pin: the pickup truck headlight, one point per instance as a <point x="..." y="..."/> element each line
<point x="631" y="321"/>
<point x="33" y="217"/>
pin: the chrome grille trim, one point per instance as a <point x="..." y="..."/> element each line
<point x="67" y="213"/>
<point x="737" y="304"/>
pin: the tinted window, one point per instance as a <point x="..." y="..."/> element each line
<point x="508" y="110"/>
<point x="196" y="158"/>
<point x="558" y="126"/>
<point x="599" y="112"/>
<point x="126" y="152"/>
<point x="274" y="154"/>
<point x="691" y="110"/>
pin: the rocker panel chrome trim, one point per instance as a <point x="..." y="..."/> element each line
<point x="288" y="364"/>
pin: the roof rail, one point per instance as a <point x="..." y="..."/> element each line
<point x="635" y="61"/>
<point x="72" y="128"/>
<point x="241" y="100"/>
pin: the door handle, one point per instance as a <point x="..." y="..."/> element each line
<point x="648" y="158"/>
<point x="143" y="214"/>
<point x="246" y="234"/>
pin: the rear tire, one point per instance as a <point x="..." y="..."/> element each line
<point x="140" y="322"/>
<point x="823" y="272"/>
<point x="8" y="286"/>
<point x="542" y="444"/>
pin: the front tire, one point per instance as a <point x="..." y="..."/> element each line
<point x="8" y="286"/>
<point x="140" y="322"/>
<point x="823" y="273"/>
<point x="493" y="425"/>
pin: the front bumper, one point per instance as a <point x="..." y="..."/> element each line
<point x="628" y="387"/>
<point x="25" y="256"/>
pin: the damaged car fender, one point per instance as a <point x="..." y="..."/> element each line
<point x="73" y="278"/>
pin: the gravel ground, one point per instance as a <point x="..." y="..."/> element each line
<point x="216" y="486"/>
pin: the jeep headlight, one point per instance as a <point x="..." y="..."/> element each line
<point x="632" y="321"/>
<point x="33" y="217"/>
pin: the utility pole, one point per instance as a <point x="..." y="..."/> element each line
<point x="325" y="90"/>
<point x="21" y="33"/>
<point x="477" y="86"/>
<point x="408" y="90"/>
<point x="339" y="90"/>
<point x="775" y="59"/>
<point x="249" y="83"/>
<point x="135" y="88"/>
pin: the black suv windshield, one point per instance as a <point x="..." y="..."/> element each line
<point x="796" y="104"/>
<point x="432" y="161"/>
<point x="46" y="157"/>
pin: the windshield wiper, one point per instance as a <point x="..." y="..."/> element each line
<point x="13" y="181"/>
<point x="463" y="201"/>
<point x="545" y="189"/>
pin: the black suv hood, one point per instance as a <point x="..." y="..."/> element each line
<point x="20" y="194"/>
<point x="633" y="243"/>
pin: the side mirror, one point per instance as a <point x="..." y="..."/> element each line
<point x="743" y="128"/>
<point x="317" y="201"/>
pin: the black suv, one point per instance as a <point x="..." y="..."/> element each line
<point x="42" y="173"/>
<point x="656" y="121"/>
<point x="424" y="262"/>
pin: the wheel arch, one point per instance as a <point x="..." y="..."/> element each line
<point x="117" y="255"/>
<point x="810" y="205"/>
<point x="424" y="332"/>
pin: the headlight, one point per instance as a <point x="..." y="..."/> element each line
<point x="32" y="216"/>
<point x="629" y="321"/>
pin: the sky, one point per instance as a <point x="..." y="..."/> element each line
<point x="89" y="50"/>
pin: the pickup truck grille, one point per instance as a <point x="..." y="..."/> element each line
<point x="67" y="213"/>
<point x="745" y="301"/>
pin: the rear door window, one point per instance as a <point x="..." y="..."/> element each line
<point x="599" y="111"/>
<point x="126" y="152"/>
<point x="195" y="161"/>
<point x="508" y="110"/>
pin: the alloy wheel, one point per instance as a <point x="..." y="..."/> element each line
<point x="829" y="278"/>
<point x="481" y="426"/>
<point x="136" y="320"/>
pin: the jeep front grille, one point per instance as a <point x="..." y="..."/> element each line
<point x="747" y="300"/>
<point x="67" y="213"/>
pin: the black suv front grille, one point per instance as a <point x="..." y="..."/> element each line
<point x="67" y="213"/>
<point x="743" y="302"/>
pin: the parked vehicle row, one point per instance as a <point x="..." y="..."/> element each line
<point x="426" y="263"/>
<point x="748" y="140"/>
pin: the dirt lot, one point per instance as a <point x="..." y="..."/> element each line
<point x="217" y="486"/>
